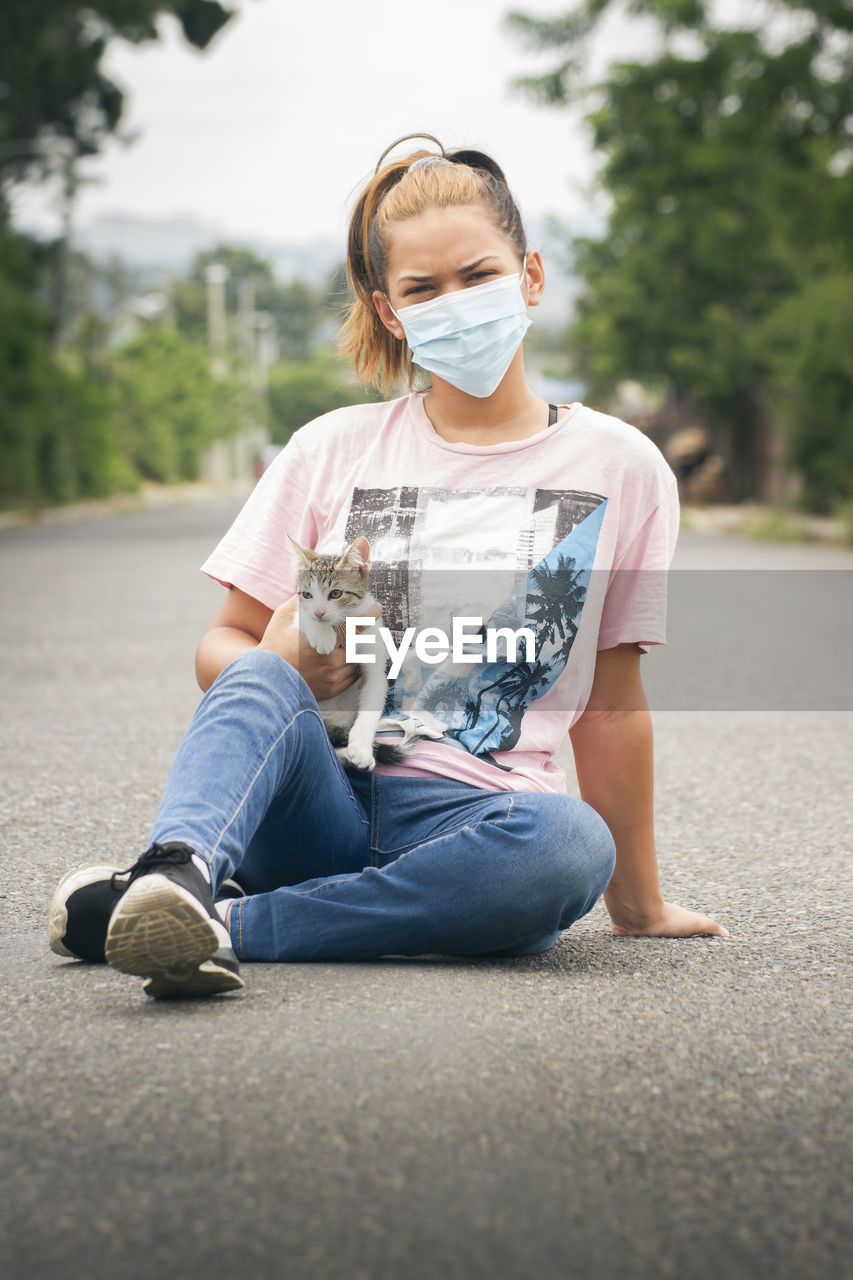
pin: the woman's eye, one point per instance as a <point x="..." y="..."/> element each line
<point x="336" y="594"/>
<point x="306" y="595"/>
<point x="415" y="289"/>
<point x="480" y="275"/>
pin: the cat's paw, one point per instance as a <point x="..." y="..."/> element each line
<point x="323" y="639"/>
<point x="359" y="756"/>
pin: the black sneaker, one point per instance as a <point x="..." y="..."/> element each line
<point x="80" y="911"/>
<point x="230" y="889"/>
<point x="165" y="928"/>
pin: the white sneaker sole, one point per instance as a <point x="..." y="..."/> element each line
<point x="162" y="932"/>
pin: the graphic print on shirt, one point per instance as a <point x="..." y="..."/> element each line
<point x="511" y="556"/>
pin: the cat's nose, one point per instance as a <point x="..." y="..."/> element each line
<point x="319" y="613"/>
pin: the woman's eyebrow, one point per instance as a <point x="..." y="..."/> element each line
<point x="471" y="266"/>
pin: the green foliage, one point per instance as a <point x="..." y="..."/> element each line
<point x="167" y="406"/>
<point x="810" y="336"/>
<point x="74" y="423"/>
<point x="844" y="514"/>
<point x="50" y="68"/>
<point x="240" y="264"/>
<point x="295" y="308"/>
<point x="148" y="410"/>
<point x="56" y="441"/>
<point x="300" y="392"/>
<point x="730" y="173"/>
<point x="77" y="417"/>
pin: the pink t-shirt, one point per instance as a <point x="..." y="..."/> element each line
<point x="568" y="533"/>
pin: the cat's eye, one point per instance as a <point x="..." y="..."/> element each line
<point x="335" y="594"/>
<point x="306" y="595"/>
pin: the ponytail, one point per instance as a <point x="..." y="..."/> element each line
<point x="399" y="190"/>
<point x="378" y="357"/>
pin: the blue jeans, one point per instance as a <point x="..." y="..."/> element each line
<point x="349" y="866"/>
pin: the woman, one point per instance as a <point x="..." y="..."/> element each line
<point x="471" y="846"/>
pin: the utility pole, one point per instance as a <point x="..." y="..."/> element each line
<point x="216" y="275"/>
<point x="253" y="430"/>
<point x="63" y="262"/>
<point x="216" y="465"/>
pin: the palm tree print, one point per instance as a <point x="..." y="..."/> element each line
<point x="557" y="601"/>
<point x="520" y="685"/>
<point x="555" y="593"/>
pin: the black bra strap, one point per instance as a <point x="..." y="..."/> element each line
<point x="553" y="414"/>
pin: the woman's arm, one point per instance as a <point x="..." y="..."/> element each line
<point x="244" y="623"/>
<point x="612" y="744"/>
<point x="239" y="626"/>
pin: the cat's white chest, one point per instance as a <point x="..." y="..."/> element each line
<point x="340" y="711"/>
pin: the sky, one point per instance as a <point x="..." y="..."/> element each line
<point x="271" y="131"/>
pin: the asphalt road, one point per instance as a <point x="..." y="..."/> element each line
<point x="615" y="1108"/>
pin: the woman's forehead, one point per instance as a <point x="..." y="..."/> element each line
<point x="450" y="236"/>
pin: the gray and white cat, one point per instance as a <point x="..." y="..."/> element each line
<point x="331" y="589"/>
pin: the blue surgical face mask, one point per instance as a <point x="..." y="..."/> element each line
<point x="468" y="337"/>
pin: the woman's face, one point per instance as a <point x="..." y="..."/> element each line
<point x="447" y="249"/>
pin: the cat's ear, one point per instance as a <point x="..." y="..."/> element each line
<point x="357" y="555"/>
<point x="307" y="556"/>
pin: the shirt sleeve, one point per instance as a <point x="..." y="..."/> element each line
<point x="255" y="554"/>
<point x="635" y="604"/>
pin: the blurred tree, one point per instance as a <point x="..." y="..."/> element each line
<point x="241" y="264"/>
<point x="300" y="392"/>
<point x="810" y="341"/>
<point x="52" y="85"/>
<point x="56" y="439"/>
<point x="167" y="406"/>
<point x="295" y="307"/>
<point x="58" y="436"/>
<point x="729" y="171"/>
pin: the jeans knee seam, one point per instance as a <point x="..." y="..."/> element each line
<point x="375" y="818"/>
<point x="301" y="712"/>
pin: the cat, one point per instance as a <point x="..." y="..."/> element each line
<point x="332" y="588"/>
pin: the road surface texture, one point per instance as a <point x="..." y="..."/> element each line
<point x="614" y="1108"/>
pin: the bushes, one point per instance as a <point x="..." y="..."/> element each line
<point x="810" y="338"/>
<point x="166" y="406"/>
<point x="300" y="392"/>
<point x="147" y="411"/>
<point x="56" y="439"/>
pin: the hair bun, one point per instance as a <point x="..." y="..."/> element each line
<point x="477" y="160"/>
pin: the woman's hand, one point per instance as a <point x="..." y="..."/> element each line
<point x="670" y="921"/>
<point x="612" y="743"/>
<point x="326" y="674"/>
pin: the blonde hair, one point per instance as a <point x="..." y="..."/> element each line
<point x="404" y="189"/>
